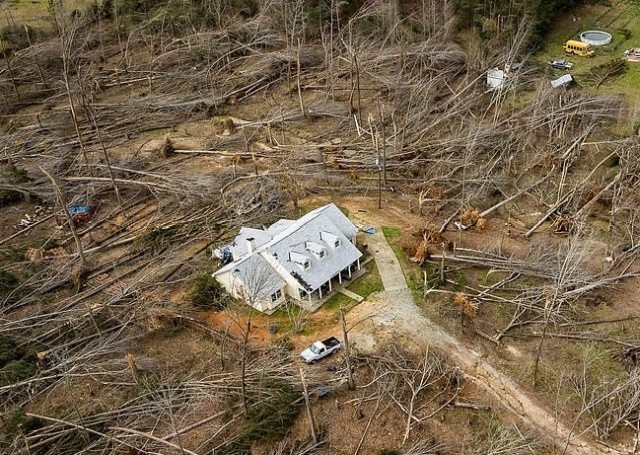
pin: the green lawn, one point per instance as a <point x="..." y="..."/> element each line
<point x="34" y="12"/>
<point x="364" y="286"/>
<point x="622" y="21"/>
<point x="391" y="232"/>
<point x="412" y="272"/>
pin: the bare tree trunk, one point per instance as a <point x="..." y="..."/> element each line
<point x="347" y="354"/>
<point x="536" y="362"/>
<point x="298" y="80"/>
<point x="63" y="201"/>
<point x="67" y="33"/>
<point x="312" y="422"/>
<point x="13" y="81"/>
<point x="106" y="156"/>
<point x="243" y="370"/>
<point x="355" y="60"/>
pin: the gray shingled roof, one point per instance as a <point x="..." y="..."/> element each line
<point x="322" y="269"/>
<point x="239" y="246"/>
<point x="303" y="238"/>
<point x="258" y="277"/>
<point x="279" y="226"/>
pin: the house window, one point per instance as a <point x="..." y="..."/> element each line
<point x="336" y="244"/>
<point x="276" y="295"/>
<point x="321" y="254"/>
<point x="306" y="265"/>
<point x="303" y="293"/>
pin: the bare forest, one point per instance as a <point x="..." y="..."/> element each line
<point x="512" y="213"/>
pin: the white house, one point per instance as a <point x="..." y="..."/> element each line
<point x="300" y="258"/>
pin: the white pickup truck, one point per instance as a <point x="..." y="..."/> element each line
<point x="320" y="349"/>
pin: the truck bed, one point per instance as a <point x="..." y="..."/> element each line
<point x="331" y="342"/>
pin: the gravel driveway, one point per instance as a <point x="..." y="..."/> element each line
<point x="393" y="316"/>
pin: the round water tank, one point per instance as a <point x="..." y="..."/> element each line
<point x="595" y="37"/>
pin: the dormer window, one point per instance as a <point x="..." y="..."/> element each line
<point x="317" y="249"/>
<point x="300" y="259"/>
<point x="332" y="240"/>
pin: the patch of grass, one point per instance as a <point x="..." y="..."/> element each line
<point x="400" y="253"/>
<point x="17" y="422"/>
<point x="289" y="320"/>
<point x="16" y="37"/>
<point x="605" y="72"/>
<point x="391" y="232"/>
<point x="622" y="20"/>
<point x="9" y="197"/>
<point x="413" y="274"/>
<point x="14" y="175"/>
<point x="8" y="350"/>
<point x="460" y="280"/>
<point x="36" y="13"/>
<point x="8" y="282"/>
<point x="156" y="239"/>
<point x="17" y="371"/>
<point x="338" y="300"/>
<point x="364" y="286"/>
<point x="369" y="283"/>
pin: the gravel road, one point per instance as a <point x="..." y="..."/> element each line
<point x="393" y="316"/>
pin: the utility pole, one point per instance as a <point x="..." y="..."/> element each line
<point x="379" y="165"/>
<point x="384" y="145"/>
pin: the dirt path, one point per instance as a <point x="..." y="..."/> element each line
<point x="393" y="315"/>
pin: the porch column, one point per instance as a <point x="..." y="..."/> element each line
<point x="358" y="263"/>
<point x="349" y="271"/>
<point x="340" y="277"/>
<point x="329" y="285"/>
<point x="309" y="295"/>
<point x="320" y="291"/>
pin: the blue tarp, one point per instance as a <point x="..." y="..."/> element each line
<point x="79" y="209"/>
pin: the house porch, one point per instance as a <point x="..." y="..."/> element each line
<point x="313" y="301"/>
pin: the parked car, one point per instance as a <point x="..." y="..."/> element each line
<point x="560" y="64"/>
<point x="320" y="349"/>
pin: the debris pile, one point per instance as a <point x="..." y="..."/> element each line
<point x="30" y="220"/>
<point x="632" y="55"/>
<point x="469" y="219"/>
<point x="468" y="305"/>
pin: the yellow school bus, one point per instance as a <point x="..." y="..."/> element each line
<point x="578" y="48"/>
